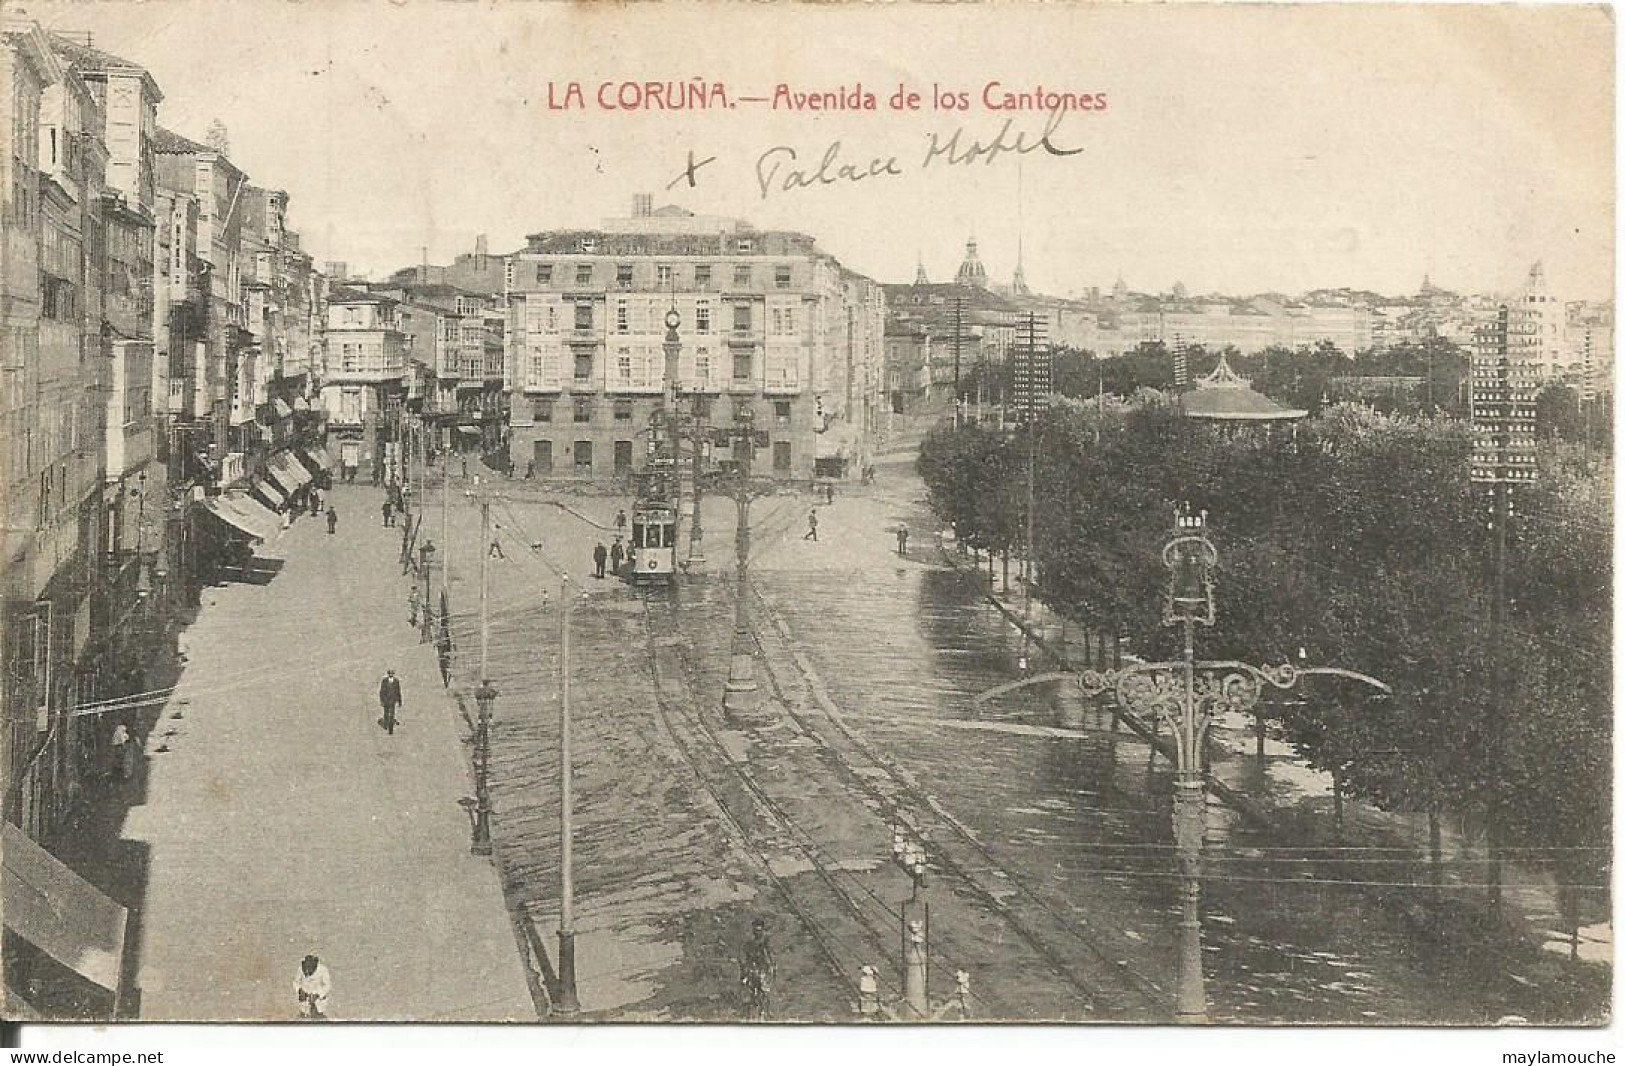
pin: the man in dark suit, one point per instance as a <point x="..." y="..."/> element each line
<point x="389" y="695"/>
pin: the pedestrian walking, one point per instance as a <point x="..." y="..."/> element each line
<point x="315" y="502"/>
<point x="902" y="540"/>
<point x="123" y="752"/>
<point x="389" y="512"/>
<point x="312" y="985"/>
<point x="620" y="523"/>
<point x="530" y="470"/>
<point x="616" y="554"/>
<point x="414" y="601"/>
<point x="389" y="697"/>
<point x="812" y="526"/>
<point x="465" y="468"/>
<point x="829" y="492"/>
<point x="287" y="518"/>
<point x="495" y="550"/>
<point x="599" y="555"/>
<point x="332" y="520"/>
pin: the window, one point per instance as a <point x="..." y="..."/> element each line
<point x="702" y="365"/>
<point x="587" y="245"/>
<point x="583" y="370"/>
<point x="622" y="322"/>
<point x="702" y="275"/>
<point x="544" y="273"/>
<point x="663" y="275"/>
<point x="623" y="410"/>
<point x="781" y="412"/>
<point x="741" y="276"/>
<point x="741" y="366"/>
<point x="741" y="318"/>
<point x="583" y="273"/>
<point x="583" y="316"/>
<point x="702" y="316"/>
<point x="623" y="275"/>
<point x="746" y="246"/>
<point x="781" y="277"/>
<point x="583" y="411"/>
<point x="623" y="366"/>
<point x="542" y="410"/>
<point x="352" y="316"/>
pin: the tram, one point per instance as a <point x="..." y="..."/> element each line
<point x="654" y="541"/>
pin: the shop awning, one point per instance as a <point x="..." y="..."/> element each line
<point x="471" y="431"/>
<point x="243" y="513"/>
<point x="288" y="472"/>
<point x="59" y="912"/>
<point x="317" y="457"/>
<point x="282" y="409"/>
<point x="270" y="492"/>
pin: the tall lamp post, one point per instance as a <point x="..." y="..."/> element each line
<point x="672" y="348"/>
<point x="1186" y="694"/>
<point x="740" y="693"/>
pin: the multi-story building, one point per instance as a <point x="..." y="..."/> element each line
<point x="363" y="386"/>
<point x="765" y="320"/>
<point x="49" y="421"/>
<point x="202" y="173"/>
<point x="456" y="337"/>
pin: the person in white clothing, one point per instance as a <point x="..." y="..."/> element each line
<point x="313" y="985"/>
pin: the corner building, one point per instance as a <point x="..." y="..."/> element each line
<point x="767" y="321"/>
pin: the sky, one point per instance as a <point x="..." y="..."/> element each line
<point x="1241" y="149"/>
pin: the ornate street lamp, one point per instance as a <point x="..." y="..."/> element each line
<point x="1186" y="695"/>
<point x="740" y="693"/>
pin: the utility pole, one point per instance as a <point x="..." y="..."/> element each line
<point x="959" y="333"/>
<point x="568" y="1002"/>
<point x="1503" y="411"/>
<point x="485" y="555"/>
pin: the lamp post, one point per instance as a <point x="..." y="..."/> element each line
<point x="425" y="562"/>
<point x="1186" y="694"/>
<point x="915" y="919"/>
<point x="485" y="696"/>
<point x="740" y="693"/>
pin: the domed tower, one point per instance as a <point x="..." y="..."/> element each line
<point x="971" y="271"/>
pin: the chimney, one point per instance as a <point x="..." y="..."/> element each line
<point x="643" y="205"/>
<point x="480" y="250"/>
<point x="423" y="267"/>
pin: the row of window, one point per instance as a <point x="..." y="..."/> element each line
<point x="583" y="408"/>
<point x="665" y="275"/>
<point x="639" y="369"/>
<point x="581" y="457"/>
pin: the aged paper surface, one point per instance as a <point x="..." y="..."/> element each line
<point x="721" y="513"/>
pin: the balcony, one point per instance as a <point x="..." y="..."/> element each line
<point x="744" y="337"/>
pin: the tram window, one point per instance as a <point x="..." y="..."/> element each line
<point x="637" y="534"/>
<point x="670" y="529"/>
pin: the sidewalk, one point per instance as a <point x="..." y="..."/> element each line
<point x="280" y="819"/>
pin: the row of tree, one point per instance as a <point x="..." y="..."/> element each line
<point x="1413" y="378"/>
<point x="1357" y="537"/>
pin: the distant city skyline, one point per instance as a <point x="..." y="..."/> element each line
<point x="1244" y="150"/>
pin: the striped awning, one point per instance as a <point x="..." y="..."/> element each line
<point x="244" y="513"/>
<point x="270" y="492"/>
<point x="318" y="457"/>
<point x="288" y="472"/>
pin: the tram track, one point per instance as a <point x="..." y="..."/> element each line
<point x="954" y="848"/>
<point x="718" y="773"/>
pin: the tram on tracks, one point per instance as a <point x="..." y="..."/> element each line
<point x="654" y="541"/>
<point x="653" y="551"/>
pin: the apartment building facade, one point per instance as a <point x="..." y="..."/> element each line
<point x="765" y="321"/>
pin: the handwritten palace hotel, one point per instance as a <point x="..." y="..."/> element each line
<point x="767" y="321"/>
